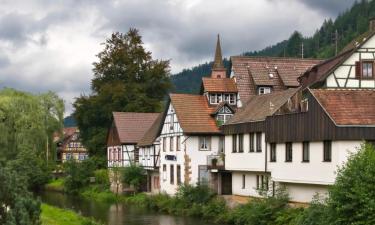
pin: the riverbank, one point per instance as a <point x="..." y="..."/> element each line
<point x="56" y="216"/>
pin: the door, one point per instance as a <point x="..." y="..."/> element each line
<point x="226" y="183"/>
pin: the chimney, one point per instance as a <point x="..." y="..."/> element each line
<point x="372" y="24"/>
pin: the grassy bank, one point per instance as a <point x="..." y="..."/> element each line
<point x="55" y="216"/>
<point x="55" y="185"/>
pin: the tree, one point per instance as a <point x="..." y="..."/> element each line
<point x="17" y="205"/>
<point x="352" y="197"/>
<point x="78" y="174"/>
<point x="134" y="175"/>
<point x="126" y="78"/>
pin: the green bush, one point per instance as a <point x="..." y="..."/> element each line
<point x="78" y="175"/>
<point x="262" y="211"/>
<point x="316" y="214"/>
<point x="216" y="210"/>
<point x="199" y="194"/>
<point x="101" y="178"/>
<point x="133" y="175"/>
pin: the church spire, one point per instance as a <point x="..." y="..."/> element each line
<point x="218" y="63"/>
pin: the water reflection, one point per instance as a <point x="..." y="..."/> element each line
<point x="115" y="214"/>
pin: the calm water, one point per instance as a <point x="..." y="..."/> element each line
<point x="115" y="214"/>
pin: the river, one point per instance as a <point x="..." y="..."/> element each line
<point x="115" y="214"/>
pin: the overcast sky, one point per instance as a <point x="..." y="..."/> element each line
<point x="51" y="44"/>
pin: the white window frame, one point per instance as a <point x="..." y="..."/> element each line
<point x="264" y="90"/>
<point x="232" y="99"/>
<point x="204" y="143"/>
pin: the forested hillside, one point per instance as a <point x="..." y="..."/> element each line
<point x="322" y="44"/>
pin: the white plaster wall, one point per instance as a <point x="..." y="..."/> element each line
<point x="199" y="158"/>
<point x="314" y="172"/>
<point x="250" y="184"/>
<point x="245" y="161"/>
<point x="304" y="193"/>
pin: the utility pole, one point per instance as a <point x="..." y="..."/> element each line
<point x="336" y="40"/>
<point x="302" y="50"/>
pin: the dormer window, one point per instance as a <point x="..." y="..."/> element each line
<point x="264" y="90"/>
<point x="218" y="97"/>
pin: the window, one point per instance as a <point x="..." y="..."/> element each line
<point x="327" y="151"/>
<point x="204" y="143"/>
<point x="178" y="147"/>
<point x="212" y="98"/>
<point x="164" y="144"/>
<point x="234" y="143"/>
<point x="260" y="182"/>
<point x="171" y="125"/>
<point x="203" y="175"/>
<point x="226" y="98"/>
<point x="259" y="142"/>
<point x="243" y="181"/>
<point x="232" y="99"/>
<point x="273" y="152"/>
<point x="257" y="181"/>
<point x="305" y="151"/>
<point x="264" y="90"/>
<point x="171" y="172"/>
<point x="171" y="146"/>
<point x="221" y="144"/>
<point x="164" y="172"/>
<point x="178" y="174"/>
<point x="251" y="141"/>
<point x="288" y="152"/>
<point x="218" y="100"/>
<point x="367" y="70"/>
<point x="240" y="143"/>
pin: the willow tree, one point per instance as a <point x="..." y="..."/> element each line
<point x="27" y="123"/>
<point x="126" y="78"/>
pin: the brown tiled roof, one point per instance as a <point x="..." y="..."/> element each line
<point x="261" y="106"/>
<point x="194" y="113"/>
<point x="348" y="107"/>
<point x="219" y="85"/>
<point x="319" y="71"/>
<point x="151" y="134"/>
<point x="132" y="126"/>
<point x="358" y="41"/>
<point x="250" y="71"/>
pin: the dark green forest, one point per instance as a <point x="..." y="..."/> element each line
<point x="322" y="44"/>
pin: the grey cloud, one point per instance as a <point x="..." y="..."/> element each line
<point x="333" y="7"/>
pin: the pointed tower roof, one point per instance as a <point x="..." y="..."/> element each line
<point x="218" y="63"/>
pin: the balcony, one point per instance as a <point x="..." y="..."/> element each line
<point x="216" y="162"/>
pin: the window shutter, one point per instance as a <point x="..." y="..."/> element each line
<point x="357" y="70"/>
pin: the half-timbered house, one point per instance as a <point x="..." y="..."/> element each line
<point x="70" y="146"/>
<point x="126" y="131"/>
<point x="149" y="154"/>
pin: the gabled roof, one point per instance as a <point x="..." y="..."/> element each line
<point x="194" y="113"/>
<point x="221" y="105"/>
<point x="151" y="134"/>
<point x="132" y="126"/>
<point x="268" y="71"/>
<point x="261" y="106"/>
<point x="347" y="107"/>
<point x="319" y="73"/>
<point x="224" y="85"/>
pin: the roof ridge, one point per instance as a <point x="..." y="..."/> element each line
<point x="277" y="57"/>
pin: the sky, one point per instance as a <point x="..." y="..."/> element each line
<point x="50" y="45"/>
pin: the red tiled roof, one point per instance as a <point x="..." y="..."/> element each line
<point x="219" y="85"/>
<point x="261" y="106"/>
<point x="132" y="126"/>
<point x="348" y="107"/>
<point x="194" y="113"/>
<point x="268" y="71"/>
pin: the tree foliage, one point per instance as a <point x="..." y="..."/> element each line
<point x="78" y="175"/>
<point x="352" y="197"/>
<point x="133" y="175"/>
<point x="126" y="78"/>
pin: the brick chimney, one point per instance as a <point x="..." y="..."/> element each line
<point x="372" y="24"/>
